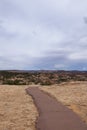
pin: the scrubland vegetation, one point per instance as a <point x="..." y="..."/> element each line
<point x="40" y="77"/>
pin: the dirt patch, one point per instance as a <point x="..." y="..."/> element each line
<point x="17" y="110"/>
<point x="73" y="95"/>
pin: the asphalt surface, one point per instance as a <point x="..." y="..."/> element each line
<point x="52" y="114"/>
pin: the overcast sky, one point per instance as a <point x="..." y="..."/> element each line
<point x="43" y="34"/>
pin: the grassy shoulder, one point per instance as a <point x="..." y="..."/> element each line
<point x="17" y="110"/>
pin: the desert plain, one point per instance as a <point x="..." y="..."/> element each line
<point x="18" y="111"/>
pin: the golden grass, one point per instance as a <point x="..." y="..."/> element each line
<point x="73" y="95"/>
<point x="17" y="110"/>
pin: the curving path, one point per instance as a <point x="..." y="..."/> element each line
<point x="52" y="114"/>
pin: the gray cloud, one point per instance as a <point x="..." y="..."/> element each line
<point x="43" y="34"/>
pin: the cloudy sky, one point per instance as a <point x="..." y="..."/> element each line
<point x="43" y="34"/>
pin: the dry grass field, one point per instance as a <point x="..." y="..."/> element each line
<point x="73" y="95"/>
<point x="17" y="110"/>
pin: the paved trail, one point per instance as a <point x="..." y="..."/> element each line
<point x="52" y="114"/>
